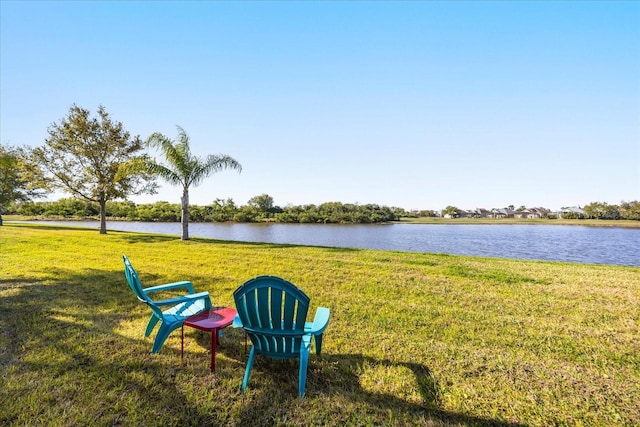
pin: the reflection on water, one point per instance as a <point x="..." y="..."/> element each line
<point x="598" y="245"/>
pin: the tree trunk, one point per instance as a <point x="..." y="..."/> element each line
<point x="185" y="213"/>
<point x="103" y="217"/>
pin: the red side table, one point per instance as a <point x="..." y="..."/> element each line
<point x="211" y="320"/>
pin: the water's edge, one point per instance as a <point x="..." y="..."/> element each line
<point x="567" y="243"/>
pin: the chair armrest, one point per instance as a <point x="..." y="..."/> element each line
<point x="176" y="285"/>
<point x="320" y="322"/>
<point x="184" y="298"/>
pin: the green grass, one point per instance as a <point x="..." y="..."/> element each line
<point x="414" y="339"/>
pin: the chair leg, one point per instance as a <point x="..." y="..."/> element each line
<point x="153" y="321"/>
<point x="318" y="339"/>
<point x="304" y="360"/>
<point x="247" y="372"/>
<point x="161" y="337"/>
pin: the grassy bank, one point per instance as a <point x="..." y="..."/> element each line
<point x="414" y="339"/>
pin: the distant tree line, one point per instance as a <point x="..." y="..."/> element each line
<point x="602" y="210"/>
<point x="258" y="209"/>
<point x="262" y="209"/>
<point x="595" y="210"/>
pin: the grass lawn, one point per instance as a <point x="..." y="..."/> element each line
<point x="414" y="339"/>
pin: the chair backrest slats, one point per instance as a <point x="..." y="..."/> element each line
<point x="276" y="307"/>
<point x="134" y="281"/>
<point x="274" y="312"/>
<point x="289" y="311"/>
<point x="251" y="306"/>
<point x="241" y="308"/>
<point x="136" y="286"/>
<point x="264" y="312"/>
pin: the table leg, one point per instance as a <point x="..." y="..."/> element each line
<point x="214" y="341"/>
<point x="182" y="345"/>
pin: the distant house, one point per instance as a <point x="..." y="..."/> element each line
<point x="538" y="212"/>
<point x="482" y="213"/>
<point x="502" y="213"/>
<point x="572" y="212"/>
<point x="495" y="213"/>
<point x="466" y="214"/>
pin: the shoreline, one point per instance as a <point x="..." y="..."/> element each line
<point x="621" y="223"/>
<point x="525" y="250"/>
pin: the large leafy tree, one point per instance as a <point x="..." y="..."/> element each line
<point x="184" y="168"/>
<point x="19" y="180"/>
<point x="630" y="210"/>
<point x="601" y="210"/>
<point x="263" y="206"/>
<point x="91" y="158"/>
<point x="263" y="202"/>
<point x="450" y="210"/>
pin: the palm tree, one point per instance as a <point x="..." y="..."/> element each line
<point x="185" y="169"/>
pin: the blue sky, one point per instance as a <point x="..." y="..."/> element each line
<point x="419" y="105"/>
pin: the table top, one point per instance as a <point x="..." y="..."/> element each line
<point x="213" y="318"/>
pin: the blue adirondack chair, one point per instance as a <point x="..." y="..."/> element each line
<point x="273" y="312"/>
<point x="180" y="307"/>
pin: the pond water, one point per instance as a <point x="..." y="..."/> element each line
<point x="570" y="243"/>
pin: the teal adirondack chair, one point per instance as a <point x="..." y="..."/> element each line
<point x="273" y="312"/>
<point x="180" y="307"/>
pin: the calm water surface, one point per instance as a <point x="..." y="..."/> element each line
<point x="597" y="245"/>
